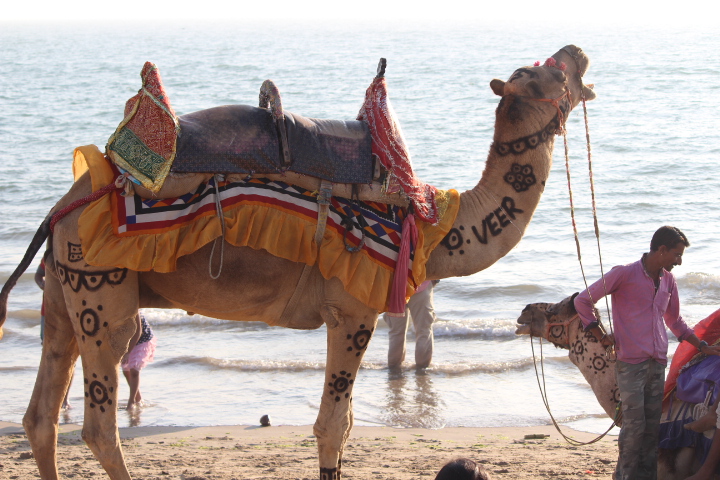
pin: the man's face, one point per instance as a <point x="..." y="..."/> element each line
<point x="669" y="257"/>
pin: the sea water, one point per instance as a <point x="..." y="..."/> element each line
<point x="655" y="148"/>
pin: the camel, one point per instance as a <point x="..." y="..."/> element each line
<point x="559" y="324"/>
<point x="90" y="309"/>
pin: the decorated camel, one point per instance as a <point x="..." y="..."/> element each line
<point x="90" y="307"/>
<point x="560" y="324"/>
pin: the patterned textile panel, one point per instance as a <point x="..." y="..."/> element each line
<point x="381" y="223"/>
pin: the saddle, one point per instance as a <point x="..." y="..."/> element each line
<point x="240" y="141"/>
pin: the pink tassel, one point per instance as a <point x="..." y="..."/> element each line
<point x="397" y="291"/>
<point x="537" y="63"/>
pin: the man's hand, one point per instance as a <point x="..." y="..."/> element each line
<point x="607" y="340"/>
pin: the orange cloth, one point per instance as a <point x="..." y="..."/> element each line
<point x="258" y="226"/>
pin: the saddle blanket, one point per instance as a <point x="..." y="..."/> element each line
<point x="140" y="234"/>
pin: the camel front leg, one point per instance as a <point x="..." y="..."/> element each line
<point x="348" y="337"/>
<point x="59" y="353"/>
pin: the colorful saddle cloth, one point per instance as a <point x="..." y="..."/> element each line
<point x="142" y="235"/>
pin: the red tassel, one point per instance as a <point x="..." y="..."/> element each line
<point x="407" y="243"/>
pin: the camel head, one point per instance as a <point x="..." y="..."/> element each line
<point x="557" y="82"/>
<point x="548" y="320"/>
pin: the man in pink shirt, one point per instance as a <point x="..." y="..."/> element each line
<point x="644" y="300"/>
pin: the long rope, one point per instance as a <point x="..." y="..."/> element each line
<point x="594" y="210"/>
<point x="221" y="216"/>
<point x="546" y="402"/>
<point x="118" y="184"/>
<point x="542" y="387"/>
<point x="594" y="207"/>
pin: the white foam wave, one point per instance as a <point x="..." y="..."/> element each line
<point x="293" y="366"/>
<point x="700" y="288"/>
<point x="479" y="327"/>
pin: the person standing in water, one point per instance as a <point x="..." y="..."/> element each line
<point x="141" y="351"/>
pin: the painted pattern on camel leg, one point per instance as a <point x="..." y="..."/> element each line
<point x="347" y="342"/>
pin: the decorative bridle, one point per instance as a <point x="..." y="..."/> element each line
<point x="559" y="332"/>
<point x="555" y="102"/>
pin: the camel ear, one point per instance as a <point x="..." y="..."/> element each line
<point x="589" y="92"/>
<point x="498" y="87"/>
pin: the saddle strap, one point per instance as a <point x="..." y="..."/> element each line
<point x="323" y="200"/>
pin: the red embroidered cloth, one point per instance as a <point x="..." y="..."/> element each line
<point x="388" y="144"/>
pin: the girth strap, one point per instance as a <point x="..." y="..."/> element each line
<point x="323" y="200"/>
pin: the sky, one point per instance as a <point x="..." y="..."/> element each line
<point x="631" y="12"/>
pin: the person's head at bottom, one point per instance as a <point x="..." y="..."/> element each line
<point x="462" y="469"/>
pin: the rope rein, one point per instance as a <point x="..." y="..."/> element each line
<point x="218" y="209"/>
<point x="546" y="401"/>
<point x="541" y="384"/>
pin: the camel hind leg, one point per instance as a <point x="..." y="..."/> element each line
<point x="348" y="337"/>
<point x="59" y="353"/>
<point x="102" y="303"/>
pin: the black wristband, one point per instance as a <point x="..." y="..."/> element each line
<point x="702" y="344"/>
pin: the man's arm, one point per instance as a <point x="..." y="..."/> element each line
<point x="586" y="299"/>
<point x="702" y="345"/>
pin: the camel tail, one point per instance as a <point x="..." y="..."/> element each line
<point x="40" y="236"/>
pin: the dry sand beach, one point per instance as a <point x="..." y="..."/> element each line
<point x="290" y="452"/>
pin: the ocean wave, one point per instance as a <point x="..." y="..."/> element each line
<point x="242" y="365"/>
<point x="474" y="328"/>
<point x="700" y="289"/>
<point x="297" y="366"/>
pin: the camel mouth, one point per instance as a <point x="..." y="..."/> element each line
<point x="522" y="329"/>
<point x="576" y="55"/>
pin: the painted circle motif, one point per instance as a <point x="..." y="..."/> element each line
<point x="557" y="331"/>
<point x="361" y="339"/>
<point x="98" y="393"/>
<point x="453" y="239"/>
<point x="89" y="322"/>
<point x="521" y="177"/>
<point x="599" y="363"/>
<point x="341" y="384"/>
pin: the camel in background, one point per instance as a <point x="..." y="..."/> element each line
<point x="560" y="324"/>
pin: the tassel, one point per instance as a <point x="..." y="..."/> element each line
<point x="407" y="244"/>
